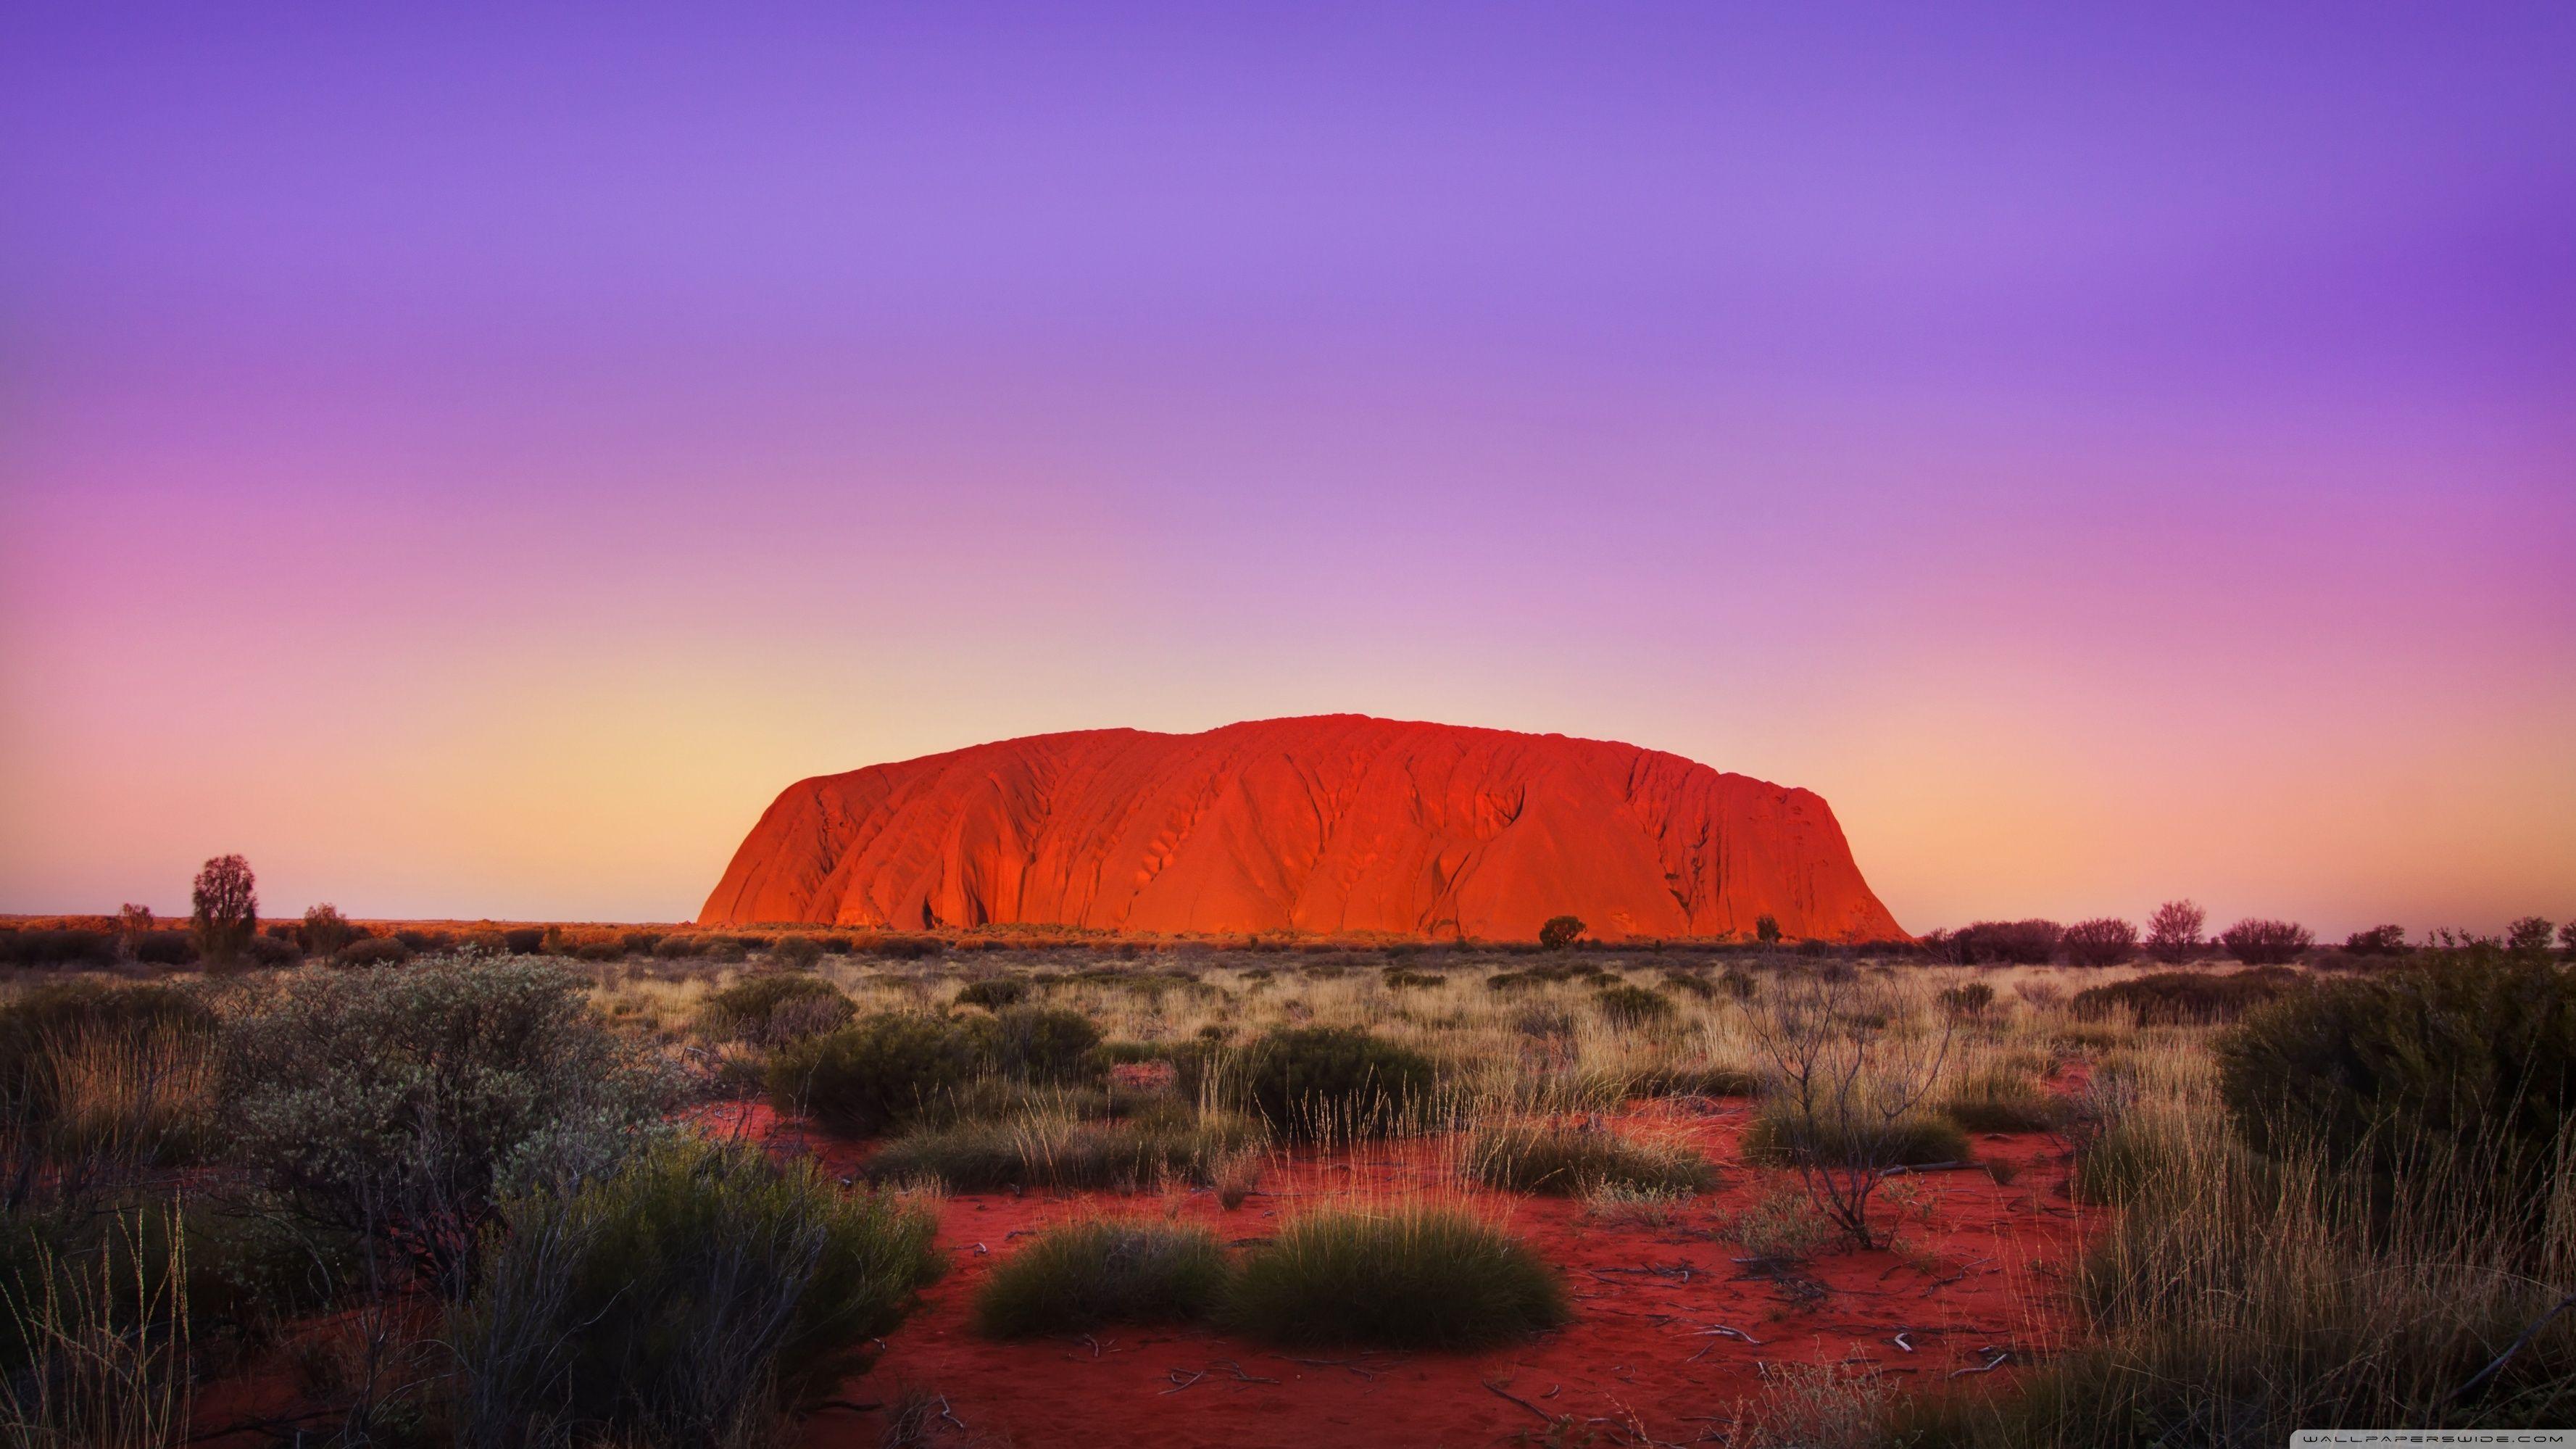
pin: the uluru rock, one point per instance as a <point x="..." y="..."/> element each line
<point x="1326" y="825"/>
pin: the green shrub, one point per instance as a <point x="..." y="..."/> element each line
<point x="2165" y="998"/>
<point x="1082" y="1275"/>
<point x="1778" y="1135"/>
<point x="774" y="1009"/>
<point x="1315" y="1082"/>
<point x="1573" y="1161"/>
<point x="1047" y="1150"/>
<point x="2467" y="1061"/>
<point x="403" y="1104"/>
<point x="1968" y="1002"/>
<point x="1413" y="1277"/>
<point x="1623" y="1005"/>
<point x="880" y="1071"/>
<point x="687" y="1298"/>
<point x="1039" y="1043"/>
<point x="1560" y="932"/>
<point x="994" y="993"/>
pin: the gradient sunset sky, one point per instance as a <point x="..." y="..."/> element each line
<point x="469" y="460"/>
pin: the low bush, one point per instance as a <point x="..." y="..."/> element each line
<point x="2168" y="998"/>
<point x="2468" y="1062"/>
<point x="2018" y="943"/>
<point x="403" y="1105"/>
<point x="2266" y="943"/>
<point x="775" y="1008"/>
<point x="2107" y="941"/>
<point x="1559" y="932"/>
<point x="1410" y="1277"/>
<point x="994" y="993"/>
<point x="269" y="951"/>
<point x="2377" y="941"/>
<point x="878" y="1072"/>
<point x="1968" y="1002"/>
<point x="1082" y="1275"/>
<point x="687" y="1298"/>
<point x="1574" y="1161"/>
<point x="796" y="953"/>
<point x="1631" y="1007"/>
<point x="1779" y="1135"/>
<point x="679" y="948"/>
<point x="165" y="948"/>
<point x="372" y="952"/>
<point x="1317" y="1082"/>
<point x="1039" y="1043"/>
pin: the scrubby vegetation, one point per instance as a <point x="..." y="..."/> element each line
<point x="453" y="1191"/>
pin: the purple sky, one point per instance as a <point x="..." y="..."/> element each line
<point x="469" y="462"/>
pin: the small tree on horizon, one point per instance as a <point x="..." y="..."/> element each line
<point x="2173" y="932"/>
<point x="326" y="931"/>
<point x="2528" y="936"/>
<point x="226" y="909"/>
<point x="133" y="923"/>
<point x="1766" y="929"/>
<point x="1559" y="932"/>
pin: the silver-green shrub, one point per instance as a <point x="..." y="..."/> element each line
<point x="406" y="1103"/>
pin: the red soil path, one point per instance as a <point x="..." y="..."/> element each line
<point x="1329" y="824"/>
<point x="1977" y="1267"/>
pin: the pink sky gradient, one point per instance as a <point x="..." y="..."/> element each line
<point x="469" y="466"/>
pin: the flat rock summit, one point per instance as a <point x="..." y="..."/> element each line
<point x="1328" y="824"/>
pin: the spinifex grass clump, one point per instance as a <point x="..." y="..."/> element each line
<point x="2001" y="1100"/>
<point x="775" y="1008"/>
<point x="1633" y="1007"/>
<point x="1404" y="1277"/>
<point x="687" y="1298"/>
<point x="100" y="1073"/>
<point x="1056" y="1151"/>
<point x="1572" y="1161"/>
<point x="1082" y="1275"/>
<point x="2166" y="998"/>
<point x="1780" y="1136"/>
<point x="1328" y="1082"/>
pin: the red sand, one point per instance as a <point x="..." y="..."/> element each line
<point x="1330" y="824"/>
<point x="1979" y="1270"/>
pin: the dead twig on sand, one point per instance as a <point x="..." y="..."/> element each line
<point x="1498" y="1391"/>
<point x="2001" y="1355"/>
<point x="1230" y="1366"/>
